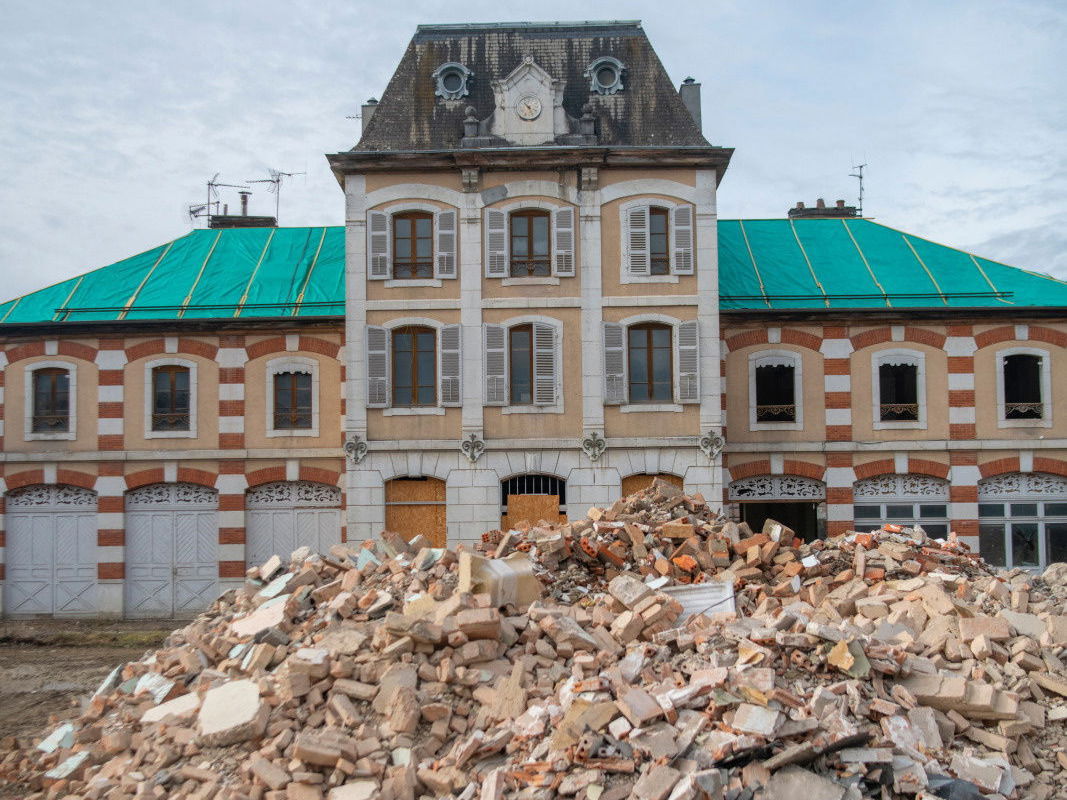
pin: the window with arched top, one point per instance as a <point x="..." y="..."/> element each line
<point x="1022" y="519"/>
<point x="775" y="384"/>
<point x="651" y="362"/>
<point x="171" y="398"/>
<point x="1023" y="388"/>
<point x="898" y="389"/>
<point x="50" y="401"/>
<point x="531" y="254"/>
<point x="293" y="397"/>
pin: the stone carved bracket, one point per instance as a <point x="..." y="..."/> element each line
<point x="355" y="448"/>
<point x="711" y="444"/>
<point x="593" y="445"/>
<point x="473" y="447"/>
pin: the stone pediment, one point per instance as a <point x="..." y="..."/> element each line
<point x="528" y="106"/>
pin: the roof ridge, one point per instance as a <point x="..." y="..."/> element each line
<point x="488" y="26"/>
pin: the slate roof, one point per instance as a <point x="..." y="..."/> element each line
<point x="647" y="113"/>
<point x="770" y="264"/>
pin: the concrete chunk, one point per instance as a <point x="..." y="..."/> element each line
<point x="233" y="712"/>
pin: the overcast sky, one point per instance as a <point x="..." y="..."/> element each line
<point x="113" y="115"/>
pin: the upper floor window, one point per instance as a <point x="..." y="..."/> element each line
<point x="51" y="400"/>
<point x="530" y="256"/>
<point x="775" y="386"/>
<point x="657" y="240"/>
<point x="1023" y="386"/>
<point x="414" y="366"/>
<point x="413" y="245"/>
<point x="170" y="398"/>
<point x="529" y="242"/>
<point x="898" y="389"/>
<point x="293" y="404"/>
<point x="521" y="365"/>
<point x="651" y="362"/>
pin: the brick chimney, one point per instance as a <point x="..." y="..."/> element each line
<point x="822" y="211"/>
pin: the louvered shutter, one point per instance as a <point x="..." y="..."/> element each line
<point x="496" y="244"/>
<point x="377" y="367"/>
<point x="638" y="261"/>
<point x="451" y="365"/>
<point x="682" y="252"/>
<point x="688" y="360"/>
<point x="564" y="244"/>
<point x="495" y="338"/>
<point x="545" y="360"/>
<point x="379" y="246"/>
<point x="614" y="364"/>
<point x="445" y="258"/>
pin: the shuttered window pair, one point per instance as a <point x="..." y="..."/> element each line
<point x="657" y="240"/>
<point x="529" y="242"/>
<point x="638" y="358"/>
<point x="521" y="364"/>
<point x="413" y="366"/>
<point x="411" y="244"/>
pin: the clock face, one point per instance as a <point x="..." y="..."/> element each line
<point x="528" y="107"/>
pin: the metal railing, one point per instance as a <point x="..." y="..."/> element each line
<point x="899" y="412"/>
<point x="784" y="412"/>
<point x="1024" y="410"/>
<point x="170" y="421"/>
<point x="50" y="423"/>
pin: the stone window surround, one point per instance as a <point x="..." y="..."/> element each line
<point x="1046" y="388"/>
<point x="776" y="355"/>
<point x="898" y="355"/>
<point x="300" y="364"/>
<point x="399" y="207"/>
<point x="663" y="319"/>
<point x="29" y="435"/>
<point x="415" y="411"/>
<point x="529" y="319"/>
<point x="551" y="206"/>
<point x="624" y="273"/>
<point x="149" y="390"/>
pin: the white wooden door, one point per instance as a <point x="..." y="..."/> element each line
<point x="171" y="550"/>
<point x="285" y="515"/>
<point x="51" y="551"/>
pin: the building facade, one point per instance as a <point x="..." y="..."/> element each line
<point x="533" y="307"/>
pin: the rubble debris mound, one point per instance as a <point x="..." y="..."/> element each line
<point x="652" y="650"/>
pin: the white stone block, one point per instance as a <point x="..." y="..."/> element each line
<point x="839" y="416"/>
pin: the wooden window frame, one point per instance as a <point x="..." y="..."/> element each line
<point x="648" y="328"/>
<point x="659" y="263"/>
<point x="286" y="420"/>
<point x="41" y="417"/>
<point x="412" y="330"/>
<point x="172" y="420"/>
<point x="527" y="266"/>
<point x="416" y="269"/>
<point x="529" y="329"/>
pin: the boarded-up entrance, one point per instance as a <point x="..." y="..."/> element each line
<point x="635" y="483"/>
<point x="416" y="506"/>
<point x="532" y="498"/>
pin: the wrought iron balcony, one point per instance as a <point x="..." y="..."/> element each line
<point x="899" y="412"/>
<point x="786" y="412"/>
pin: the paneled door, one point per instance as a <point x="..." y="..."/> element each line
<point x="283" y="516"/>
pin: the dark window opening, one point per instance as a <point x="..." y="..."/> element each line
<point x="529" y="244"/>
<point x="1022" y="387"/>
<point x="899" y="392"/>
<point x="170" y="398"/>
<point x="51" y="400"/>
<point x="520" y="362"/>
<point x="452" y="81"/>
<point x="776" y="393"/>
<point x="414" y="367"/>
<point x="412" y="245"/>
<point x="650" y="363"/>
<point x="292" y="401"/>
<point x="658" y="247"/>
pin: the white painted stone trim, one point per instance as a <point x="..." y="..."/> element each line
<point x="149" y="390"/>
<point x="413" y="283"/>
<point x="637" y="408"/>
<point x="72" y="402"/>
<point x="754" y="360"/>
<point x="298" y="364"/>
<point x="916" y="357"/>
<point x="1046" y="388"/>
<point x="413" y="411"/>
<point x="530" y="282"/>
<point x="658" y="186"/>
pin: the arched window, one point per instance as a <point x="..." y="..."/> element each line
<point x="775" y="390"/>
<point x="293" y="403"/>
<point x="412" y="245"/>
<point x="530" y="251"/>
<point x="899" y="389"/>
<point x="650" y="363"/>
<point x="414" y="366"/>
<point x="171" y="392"/>
<point x="1022" y="387"/>
<point x="1022" y="519"/>
<point x="51" y="400"/>
<point x="902" y="499"/>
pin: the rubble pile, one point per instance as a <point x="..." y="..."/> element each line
<point x="651" y="651"/>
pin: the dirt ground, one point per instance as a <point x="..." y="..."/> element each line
<point x="47" y="667"/>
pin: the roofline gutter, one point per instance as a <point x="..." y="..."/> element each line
<point x="865" y="315"/>
<point x="198" y="324"/>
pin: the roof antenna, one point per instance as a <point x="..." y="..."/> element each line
<point x="275" y="188"/>
<point x="858" y="174"/>
<point x="211" y="206"/>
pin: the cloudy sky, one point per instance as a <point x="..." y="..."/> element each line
<point x="113" y="115"/>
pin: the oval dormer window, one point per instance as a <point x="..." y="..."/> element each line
<point x="605" y="75"/>
<point x="452" y="80"/>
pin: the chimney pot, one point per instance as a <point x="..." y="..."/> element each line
<point x="820" y="203"/>
<point x="800" y="204"/>
<point x="367" y="111"/>
<point x="244" y="203"/>
<point x="840" y="203"/>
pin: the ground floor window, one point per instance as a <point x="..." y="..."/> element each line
<point x="416" y="505"/>
<point x="532" y="498"/>
<point x="902" y="500"/>
<point x="1023" y="520"/>
<point x="794" y="501"/>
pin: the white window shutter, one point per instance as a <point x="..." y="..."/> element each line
<point x="635" y="225"/>
<point x="545" y="364"/>
<point x="682" y="252"/>
<point x="614" y="364"/>
<point x="564" y="244"/>
<point x="688" y="360"/>
<point x="445" y="257"/>
<point x="495" y="338"/>
<point x="378" y="246"/>
<point x="451" y="365"/>
<point x="377" y="367"/>
<point x="496" y="244"/>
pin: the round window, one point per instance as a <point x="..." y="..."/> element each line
<point x="606" y="76"/>
<point x="452" y="81"/>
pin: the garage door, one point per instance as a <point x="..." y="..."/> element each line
<point x="51" y="551"/>
<point x="172" y="534"/>
<point x="282" y="516"/>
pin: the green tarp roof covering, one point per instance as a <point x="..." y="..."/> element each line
<point x="763" y="264"/>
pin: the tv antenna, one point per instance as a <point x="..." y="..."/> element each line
<point x="275" y="188"/>
<point x="858" y="174"/>
<point x="211" y="205"/>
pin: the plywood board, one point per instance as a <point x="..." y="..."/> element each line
<point x="533" y="508"/>
<point x="408" y="490"/>
<point x="411" y="520"/>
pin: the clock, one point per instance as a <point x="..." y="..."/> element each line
<point x="528" y="107"/>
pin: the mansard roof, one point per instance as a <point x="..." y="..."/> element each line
<point x="764" y="265"/>
<point x="648" y="112"/>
